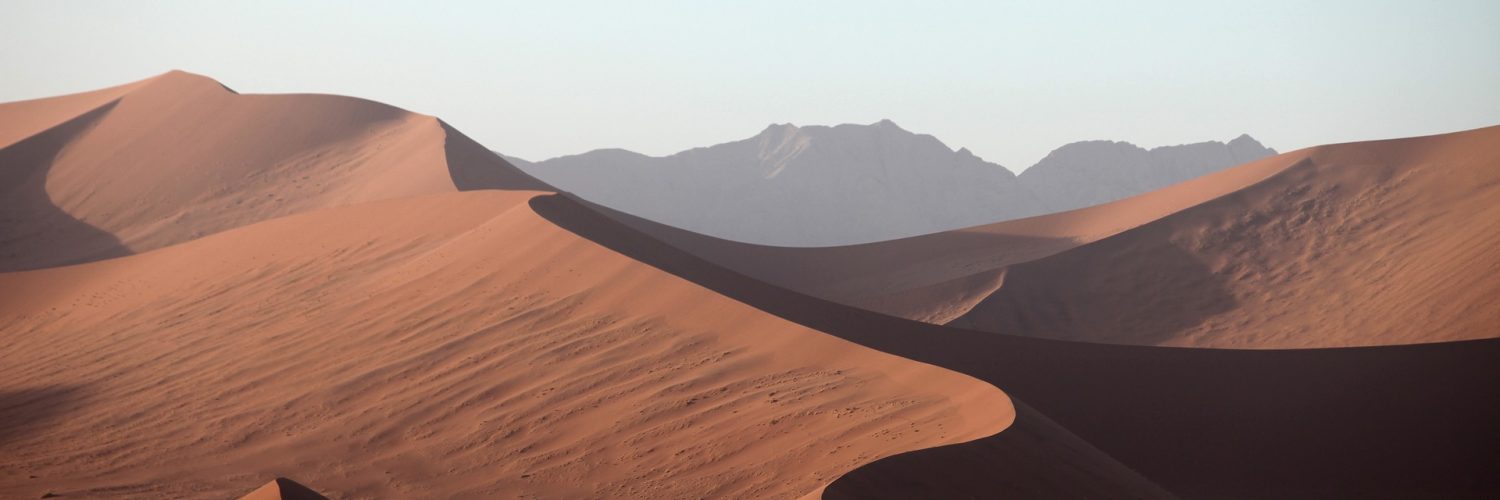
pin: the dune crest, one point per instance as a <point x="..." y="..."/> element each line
<point x="283" y="489"/>
<point x="180" y="156"/>
<point x="364" y="298"/>
<point x="1369" y="243"/>
<point x="447" y="345"/>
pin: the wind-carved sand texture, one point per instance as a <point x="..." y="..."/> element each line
<point x="1360" y="244"/>
<point x="179" y="156"/>
<point x="429" y="345"/>
<point x="207" y="295"/>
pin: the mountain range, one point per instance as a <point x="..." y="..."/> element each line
<point x="846" y="184"/>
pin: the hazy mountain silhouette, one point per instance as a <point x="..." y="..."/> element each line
<point x="1093" y="172"/>
<point x="819" y="185"/>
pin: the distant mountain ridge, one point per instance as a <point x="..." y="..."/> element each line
<point x="1089" y="173"/>
<point x="834" y="185"/>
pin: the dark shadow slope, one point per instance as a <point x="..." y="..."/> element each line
<point x="34" y="231"/>
<point x="26" y="411"/>
<point x="1154" y="289"/>
<point x="474" y="167"/>
<point x="283" y="489"/>
<point x="1033" y="458"/>
<point x="1387" y="422"/>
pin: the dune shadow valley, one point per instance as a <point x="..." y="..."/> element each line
<point x="210" y="294"/>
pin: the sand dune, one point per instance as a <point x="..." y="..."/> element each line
<point x="448" y="345"/>
<point x="179" y="156"/>
<point x="1407" y="421"/>
<point x="283" y="489"/>
<point x="292" y="286"/>
<point x="314" y="300"/>
<point x="28" y="118"/>
<point x="1372" y="243"/>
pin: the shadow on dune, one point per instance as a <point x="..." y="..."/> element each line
<point x="29" y="410"/>
<point x="1397" y="421"/>
<point x="283" y="489"/>
<point x="1153" y="293"/>
<point x="1033" y="458"/>
<point x="473" y="167"/>
<point x="902" y="277"/>
<point x="34" y="231"/>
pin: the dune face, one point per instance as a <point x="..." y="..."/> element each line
<point x="825" y="186"/>
<point x="1406" y="421"/>
<point x="283" y="489"/>
<point x="1376" y="243"/>
<point x="366" y="300"/>
<point x="377" y="350"/>
<point x="1033" y="458"/>
<point x="179" y="156"/>
<point x="436" y="345"/>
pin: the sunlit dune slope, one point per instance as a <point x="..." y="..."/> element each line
<point x="1399" y="421"/>
<point x="179" y="156"/>
<point x="1370" y="243"/>
<point x="283" y="489"/>
<point x="449" y="345"/>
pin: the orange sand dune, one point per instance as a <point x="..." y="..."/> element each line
<point x="441" y="346"/>
<point x="1405" y="421"/>
<point x="367" y="330"/>
<point x="283" y="489"/>
<point x="1371" y="243"/>
<point x="938" y="277"/>
<point x="179" y="156"/>
<point x="24" y="119"/>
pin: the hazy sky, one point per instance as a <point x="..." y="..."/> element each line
<point x="1008" y="80"/>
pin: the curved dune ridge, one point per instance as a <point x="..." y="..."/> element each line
<point x="1371" y="243"/>
<point x="180" y="156"/>
<point x="448" y="344"/>
<point x="382" y="350"/>
<point x="283" y="489"/>
<point x="363" y="299"/>
<point x="1402" y="421"/>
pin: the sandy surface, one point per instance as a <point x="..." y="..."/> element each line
<point x="363" y="300"/>
<point x="288" y="322"/>
<point x="283" y="489"/>
<point x="1402" y="421"/>
<point x="1372" y="243"/>
<point x="382" y="350"/>
<point x="179" y="156"/>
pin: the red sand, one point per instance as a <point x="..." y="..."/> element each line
<point x="1372" y="243"/>
<point x="293" y="286"/>
<point x="451" y="344"/>
<point x="179" y="156"/>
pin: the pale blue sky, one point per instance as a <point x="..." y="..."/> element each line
<point x="1008" y="80"/>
